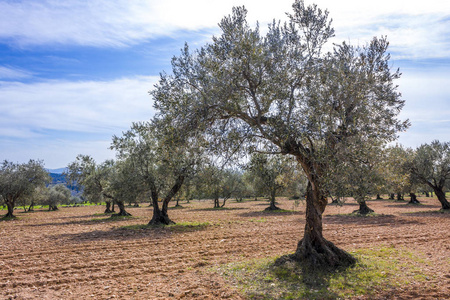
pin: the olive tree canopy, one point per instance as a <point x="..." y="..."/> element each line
<point x="431" y="166"/>
<point x="280" y="93"/>
<point x="20" y="180"/>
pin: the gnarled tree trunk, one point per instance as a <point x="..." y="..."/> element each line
<point x="10" y="213"/>
<point x="413" y="199"/>
<point x="363" y="208"/>
<point x="108" y="207"/>
<point x="122" y="212"/>
<point x="441" y="197"/>
<point x="313" y="250"/>
<point x="272" y="202"/>
<point x="160" y="217"/>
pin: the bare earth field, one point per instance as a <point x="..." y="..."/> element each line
<point x="74" y="254"/>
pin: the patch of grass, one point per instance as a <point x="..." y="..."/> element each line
<point x="4" y="218"/>
<point x="358" y="215"/>
<point x="188" y="226"/>
<point x="278" y="211"/>
<point x="377" y="270"/>
<point x="178" y="227"/>
<point x="440" y="211"/>
<point x="261" y="220"/>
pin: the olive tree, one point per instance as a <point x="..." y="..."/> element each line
<point x="280" y="93"/>
<point x="161" y="159"/>
<point x="431" y="166"/>
<point x="271" y="174"/>
<point x="57" y="194"/>
<point x="97" y="181"/>
<point x="20" y="180"/>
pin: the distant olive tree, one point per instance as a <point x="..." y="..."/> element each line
<point x="271" y="174"/>
<point x="57" y="194"/>
<point x="20" y="180"/>
<point x="431" y="166"/>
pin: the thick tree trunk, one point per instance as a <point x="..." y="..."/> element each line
<point x="161" y="217"/>
<point x="31" y="207"/>
<point x="363" y="208"/>
<point x="10" y="213"/>
<point x="122" y="211"/>
<point x="427" y="194"/>
<point x="216" y="203"/>
<point x="379" y="197"/>
<point x="413" y="199"/>
<point x="314" y="251"/>
<point x="108" y="207"/>
<point x="400" y="197"/>
<point x="272" y="202"/>
<point x="391" y="196"/>
<point x="441" y="197"/>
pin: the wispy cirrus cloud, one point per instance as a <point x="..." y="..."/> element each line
<point x="12" y="73"/>
<point x="85" y="107"/>
<point x="104" y="23"/>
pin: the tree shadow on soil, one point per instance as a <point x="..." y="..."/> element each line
<point x="379" y="220"/>
<point x="265" y="213"/>
<point x="217" y="209"/>
<point x="129" y="233"/>
<point x="89" y="221"/>
<point x="430" y="213"/>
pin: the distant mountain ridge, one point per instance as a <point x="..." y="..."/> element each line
<point x="56" y="171"/>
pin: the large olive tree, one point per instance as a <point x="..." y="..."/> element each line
<point x="279" y="93"/>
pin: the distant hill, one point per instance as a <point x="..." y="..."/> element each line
<point x="59" y="178"/>
<point x="56" y="171"/>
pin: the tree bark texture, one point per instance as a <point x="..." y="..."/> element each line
<point x="313" y="250"/>
<point x="108" y="207"/>
<point x="10" y="213"/>
<point x="122" y="211"/>
<point x="363" y="208"/>
<point x="441" y="197"/>
<point x="413" y="199"/>
<point x="272" y="205"/>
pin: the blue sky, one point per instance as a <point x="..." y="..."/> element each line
<point x="74" y="73"/>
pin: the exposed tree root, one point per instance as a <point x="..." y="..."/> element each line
<point x="323" y="255"/>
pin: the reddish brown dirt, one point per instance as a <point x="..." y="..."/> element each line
<point x="67" y="255"/>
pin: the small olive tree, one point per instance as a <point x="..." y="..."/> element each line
<point x="431" y="166"/>
<point x="20" y="180"/>
<point x="271" y="174"/>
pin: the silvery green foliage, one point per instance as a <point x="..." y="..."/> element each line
<point x="280" y="92"/>
<point x="431" y="166"/>
<point x="20" y="180"/>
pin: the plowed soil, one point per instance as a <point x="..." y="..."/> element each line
<point x="74" y="254"/>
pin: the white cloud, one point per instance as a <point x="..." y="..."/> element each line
<point x="417" y="28"/>
<point x="54" y="153"/>
<point x="89" y="106"/>
<point x="427" y="95"/>
<point x="13" y="73"/>
<point x="115" y="23"/>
